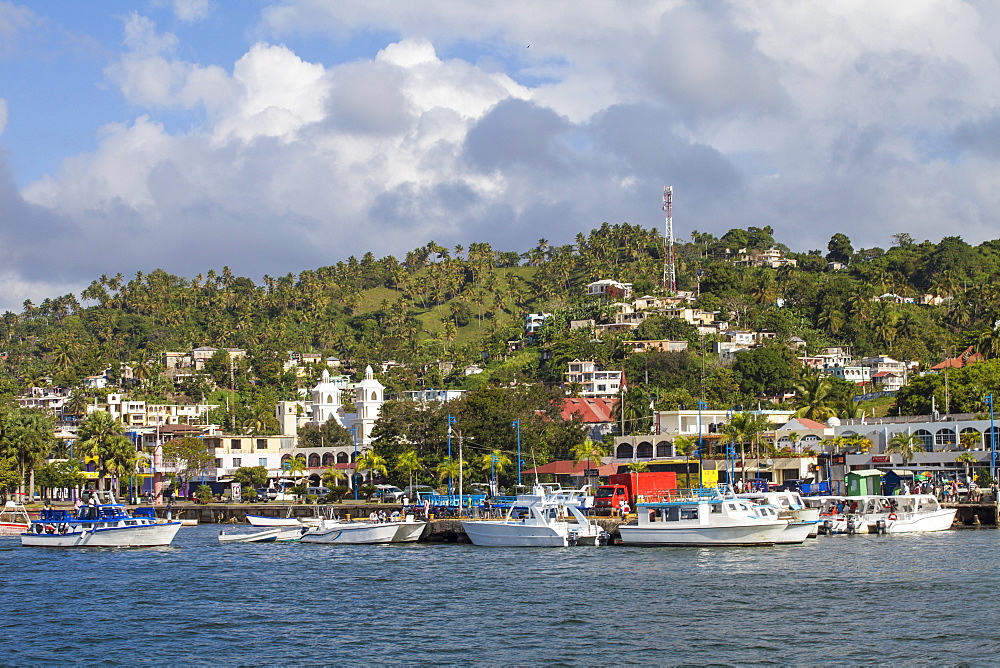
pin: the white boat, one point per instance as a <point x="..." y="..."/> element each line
<point x="908" y="513"/>
<point x="104" y="525"/>
<point x="711" y="518"/>
<point x="14" y="519"/>
<point x="790" y="507"/>
<point x="266" y="536"/>
<point x="262" y="521"/>
<point x="546" y="518"/>
<point x="321" y="513"/>
<point x="839" y="514"/>
<point x="357" y="533"/>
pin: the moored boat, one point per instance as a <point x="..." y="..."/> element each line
<point x="265" y="536"/>
<point x="14" y="519"/>
<point x="541" y="519"/>
<point x="358" y="533"/>
<point x="790" y="507"/>
<point x="104" y="525"/>
<point x="712" y="517"/>
<point x="909" y="513"/>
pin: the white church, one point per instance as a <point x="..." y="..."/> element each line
<point x="325" y="403"/>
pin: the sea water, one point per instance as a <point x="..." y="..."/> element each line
<point x="912" y="599"/>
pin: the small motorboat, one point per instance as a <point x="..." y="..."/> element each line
<point x="407" y="530"/>
<point x="545" y="518"/>
<point x="266" y="536"/>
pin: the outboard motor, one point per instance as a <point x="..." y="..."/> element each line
<point x="603" y="538"/>
<point x="881" y="527"/>
<point x="826" y="528"/>
<point x="573" y="538"/>
<point x="852" y="526"/>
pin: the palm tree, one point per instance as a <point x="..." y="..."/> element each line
<point x="409" y="461"/>
<point x="448" y="469"/>
<point x="495" y="462"/>
<point x="637" y="467"/>
<point x="906" y="445"/>
<point x="968" y="459"/>
<point x="813" y="397"/>
<point x="332" y="476"/>
<point x="687" y="446"/>
<point x="794" y="437"/>
<point x="590" y="451"/>
<point x="300" y="466"/>
<point x="101" y="436"/>
<point x="26" y="438"/>
<point x="970" y="439"/>
<point x="371" y="461"/>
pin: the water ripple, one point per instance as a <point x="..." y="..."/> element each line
<point x="839" y="600"/>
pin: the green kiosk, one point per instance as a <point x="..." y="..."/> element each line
<point x="867" y="482"/>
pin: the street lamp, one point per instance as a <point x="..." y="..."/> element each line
<point x="701" y="448"/>
<point x="354" y="474"/>
<point x="993" y="440"/>
<point x="451" y="421"/>
<point x="517" y="423"/>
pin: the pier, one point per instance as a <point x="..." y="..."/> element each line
<point x="983" y="513"/>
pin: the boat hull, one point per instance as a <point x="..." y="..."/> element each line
<point x="12" y="528"/>
<point x="261" y="521"/>
<point x="940" y="520"/>
<point x="268" y="536"/>
<point x="362" y="533"/>
<point x="503" y="534"/>
<point x="705" y="536"/>
<point x="149" y="535"/>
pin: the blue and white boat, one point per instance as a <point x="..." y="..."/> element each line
<point x="103" y="525"/>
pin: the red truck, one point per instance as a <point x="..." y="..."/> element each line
<point x="623" y="487"/>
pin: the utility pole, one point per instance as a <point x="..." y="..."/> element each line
<point x="461" y="508"/>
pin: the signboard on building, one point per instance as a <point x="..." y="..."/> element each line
<point x="235" y="491"/>
<point x="880" y="459"/>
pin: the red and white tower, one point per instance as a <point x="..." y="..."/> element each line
<point x="669" y="271"/>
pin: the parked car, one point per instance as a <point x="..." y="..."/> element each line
<point x="388" y="493"/>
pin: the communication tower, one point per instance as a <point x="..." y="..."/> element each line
<point x="669" y="271"/>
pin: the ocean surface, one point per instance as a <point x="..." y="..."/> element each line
<point x="919" y="599"/>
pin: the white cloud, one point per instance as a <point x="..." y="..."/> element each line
<point x="878" y="117"/>
<point x="190" y="11"/>
<point x="3" y="114"/>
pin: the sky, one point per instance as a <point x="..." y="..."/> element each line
<point x="275" y="136"/>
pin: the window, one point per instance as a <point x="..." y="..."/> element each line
<point x="926" y="439"/>
<point x="262" y="444"/>
<point x="218" y="463"/>
<point x="945" y="437"/>
<point x="644" y="450"/>
<point x="262" y="462"/>
<point x="237" y="462"/>
<point x="236" y="444"/>
<point x="624" y="451"/>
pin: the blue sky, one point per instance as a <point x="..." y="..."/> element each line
<point x="275" y="136"/>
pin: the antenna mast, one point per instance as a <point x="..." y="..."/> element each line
<point x="669" y="271"/>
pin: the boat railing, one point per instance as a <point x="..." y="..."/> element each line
<point x="54" y="515"/>
<point x="686" y="495"/>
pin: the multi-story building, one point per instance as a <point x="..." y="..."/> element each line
<point x="593" y="381"/>
<point x="610" y="288"/>
<point x="142" y="414"/>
